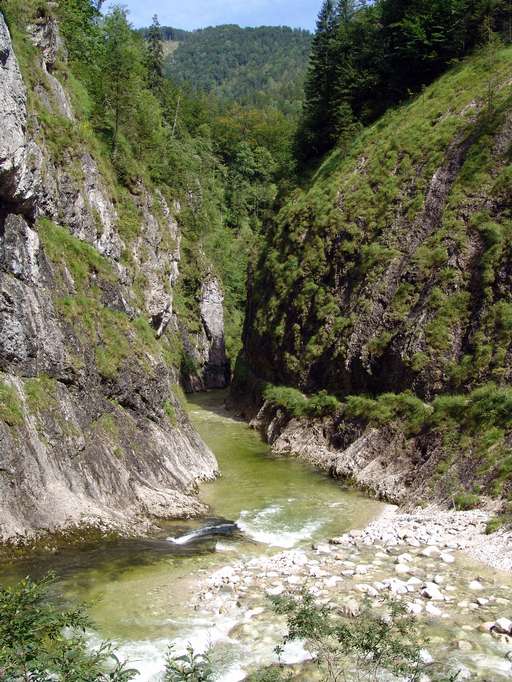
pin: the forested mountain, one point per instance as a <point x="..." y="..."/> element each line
<point x="262" y="66"/>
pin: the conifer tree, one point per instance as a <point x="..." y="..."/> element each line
<point x="315" y="133"/>
<point x="122" y="72"/>
<point x="155" y="56"/>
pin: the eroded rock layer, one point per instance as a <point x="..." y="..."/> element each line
<point x="92" y="432"/>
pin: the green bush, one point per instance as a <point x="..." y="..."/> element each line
<point x="298" y="405"/>
<point x="464" y="501"/>
<point x="375" y="644"/>
<point x="39" y="641"/>
<point x="290" y="399"/>
<point x="188" y="667"/>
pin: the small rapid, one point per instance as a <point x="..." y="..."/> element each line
<point x="141" y="593"/>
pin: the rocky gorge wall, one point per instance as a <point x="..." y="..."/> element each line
<point x="92" y="431"/>
<point x="386" y="282"/>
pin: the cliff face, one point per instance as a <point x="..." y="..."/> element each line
<point x="91" y="429"/>
<point x="390" y="273"/>
<point x="207" y="367"/>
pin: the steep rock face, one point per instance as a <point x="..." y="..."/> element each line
<point x="391" y="273"/>
<point x="207" y="350"/>
<point x="91" y="430"/>
<point x="373" y="278"/>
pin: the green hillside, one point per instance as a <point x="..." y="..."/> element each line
<point x="388" y="277"/>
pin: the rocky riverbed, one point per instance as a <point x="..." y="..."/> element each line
<point x="425" y="559"/>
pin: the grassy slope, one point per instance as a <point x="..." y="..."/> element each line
<point x="356" y="295"/>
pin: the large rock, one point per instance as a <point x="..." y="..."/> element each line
<point x="207" y="349"/>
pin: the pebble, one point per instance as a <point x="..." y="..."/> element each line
<point x="503" y="625"/>
<point x="415" y="608"/>
<point x="475" y="585"/>
<point x="432" y="591"/>
<point x="431" y="551"/>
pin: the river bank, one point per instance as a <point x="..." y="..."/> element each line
<point x="422" y="559"/>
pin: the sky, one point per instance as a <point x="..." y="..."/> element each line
<point x="190" y="14"/>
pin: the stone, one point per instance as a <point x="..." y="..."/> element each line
<point x="332" y="581"/>
<point x="396" y="586"/>
<point x="433" y="610"/>
<point x="367" y="589"/>
<point x="430" y="551"/>
<point x="426" y="657"/>
<point x="414" y="582"/>
<point x="350" y="608"/>
<point x="464" y="645"/>
<point x="415" y="608"/>
<point x="475" y="585"/>
<point x="275" y="591"/>
<point x="404" y="559"/>
<point x="503" y="625"/>
<point x="402" y="569"/>
<point x="431" y="591"/>
<point x="447" y="558"/>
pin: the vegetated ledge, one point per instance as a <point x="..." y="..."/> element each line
<point x="453" y="451"/>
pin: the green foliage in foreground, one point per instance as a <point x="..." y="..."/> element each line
<point x="41" y="643"/>
<point x="190" y="667"/>
<point x="363" y="647"/>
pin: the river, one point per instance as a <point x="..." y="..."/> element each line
<point x="139" y="592"/>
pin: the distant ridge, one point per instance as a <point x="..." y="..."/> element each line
<point x="259" y="66"/>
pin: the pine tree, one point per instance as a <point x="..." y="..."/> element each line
<point x="155" y="57"/>
<point x="316" y="130"/>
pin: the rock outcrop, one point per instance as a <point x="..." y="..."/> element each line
<point x="91" y="430"/>
<point x="209" y="367"/>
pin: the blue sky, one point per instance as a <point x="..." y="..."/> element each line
<point x="191" y="14"/>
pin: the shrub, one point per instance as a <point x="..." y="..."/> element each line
<point x="322" y="405"/>
<point x="373" y="644"/>
<point x="189" y="667"/>
<point x="298" y="405"/>
<point x="464" y="501"/>
<point x="39" y="641"/>
<point x="290" y="399"/>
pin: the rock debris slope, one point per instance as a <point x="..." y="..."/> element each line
<point x="91" y="430"/>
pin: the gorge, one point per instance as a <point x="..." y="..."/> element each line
<point x="373" y="368"/>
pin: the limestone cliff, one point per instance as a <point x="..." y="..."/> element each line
<point x="92" y="432"/>
<point x="387" y="278"/>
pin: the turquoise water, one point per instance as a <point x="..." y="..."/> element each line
<point x="139" y="592"/>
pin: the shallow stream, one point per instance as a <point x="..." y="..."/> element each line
<point x="140" y="592"/>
